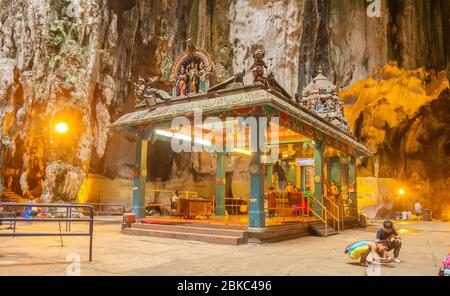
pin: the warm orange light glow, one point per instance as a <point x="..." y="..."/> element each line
<point x="61" y="127"/>
<point x="401" y="191"/>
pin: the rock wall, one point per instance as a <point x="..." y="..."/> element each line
<point x="75" y="61"/>
<point x="403" y="117"/>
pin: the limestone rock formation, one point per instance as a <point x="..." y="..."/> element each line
<point x="403" y="117"/>
<point x="76" y="60"/>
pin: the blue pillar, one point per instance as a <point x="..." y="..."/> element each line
<point x="318" y="174"/>
<point x="140" y="176"/>
<point x="220" y="184"/>
<point x="256" y="213"/>
<point x="352" y="185"/>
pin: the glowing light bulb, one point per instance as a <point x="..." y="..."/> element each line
<point x="61" y="127"/>
<point x="401" y="191"/>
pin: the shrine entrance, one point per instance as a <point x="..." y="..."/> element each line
<point x="284" y="152"/>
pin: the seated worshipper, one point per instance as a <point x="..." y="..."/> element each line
<point x="389" y="235"/>
<point x="362" y="249"/>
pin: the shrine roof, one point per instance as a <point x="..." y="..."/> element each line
<point x="230" y="99"/>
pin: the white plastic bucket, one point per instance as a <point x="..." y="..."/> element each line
<point x="404" y="215"/>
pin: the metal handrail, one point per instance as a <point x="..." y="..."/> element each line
<point x="324" y="220"/>
<point x="15" y="219"/>
<point x="186" y="193"/>
<point x="236" y="205"/>
<point x="338" y="218"/>
<point x="329" y="213"/>
<point x="326" y="211"/>
<point x="98" y="205"/>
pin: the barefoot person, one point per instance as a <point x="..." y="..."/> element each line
<point x="389" y="235"/>
<point x="362" y="249"/>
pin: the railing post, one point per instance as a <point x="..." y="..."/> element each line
<point x="220" y="185"/>
<point x="318" y="172"/>
<point x="15" y="215"/>
<point x="91" y="232"/>
<point x="352" y="185"/>
<point x="256" y="216"/>
<point x="140" y="176"/>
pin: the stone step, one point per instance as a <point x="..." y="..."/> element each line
<point x="192" y="229"/>
<point x="319" y="228"/>
<point x="205" y="225"/>
<point x="11" y="194"/>
<point x="209" y="238"/>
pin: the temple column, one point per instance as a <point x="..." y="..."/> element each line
<point x="140" y="176"/>
<point x="319" y="149"/>
<point x="256" y="213"/>
<point x="352" y="184"/>
<point x="220" y="184"/>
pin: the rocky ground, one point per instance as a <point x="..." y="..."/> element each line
<point x="425" y="244"/>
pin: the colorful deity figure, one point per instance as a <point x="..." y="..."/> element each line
<point x="181" y="82"/>
<point x="202" y="77"/>
<point x="319" y="106"/>
<point x="193" y="77"/>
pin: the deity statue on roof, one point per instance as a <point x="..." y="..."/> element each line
<point x="181" y="82"/>
<point x="202" y="77"/>
<point x="192" y="71"/>
<point x="259" y="66"/>
<point x="193" y="77"/>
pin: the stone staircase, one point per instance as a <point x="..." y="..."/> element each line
<point x="10" y="196"/>
<point x="318" y="228"/>
<point x="210" y="233"/>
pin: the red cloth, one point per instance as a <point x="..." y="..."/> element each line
<point x="301" y="202"/>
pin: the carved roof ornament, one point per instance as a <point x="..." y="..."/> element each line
<point x="146" y="93"/>
<point x="192" y="71"/>
<point x="321" y="97"/>
<point x="235" y="81"/>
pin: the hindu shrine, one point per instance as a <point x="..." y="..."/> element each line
<point x="312" y="138"/>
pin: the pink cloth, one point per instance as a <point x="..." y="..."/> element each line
<point x="446" y="262"/>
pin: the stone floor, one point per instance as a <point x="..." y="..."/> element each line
<point x="424" y="246"/>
